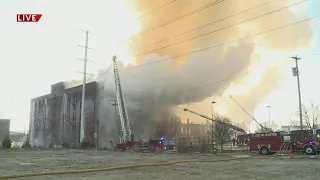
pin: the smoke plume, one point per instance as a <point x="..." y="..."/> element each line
<point x="153" y="90"/>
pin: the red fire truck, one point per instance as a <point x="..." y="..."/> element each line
<point x="162" y="145"/>
<point x="265" y="143"/>
<point x="307" y="141"/>
<point x="242" y="139"/>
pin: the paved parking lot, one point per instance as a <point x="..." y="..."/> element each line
<point x="254" y="167"/>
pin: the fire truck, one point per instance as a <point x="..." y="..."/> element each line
<point x="307" y="141"/>
<point x="265" y="143"/>
<point x="162" y="145"/>
<point x="242" y="139"/>
<point x="126" y="137"/>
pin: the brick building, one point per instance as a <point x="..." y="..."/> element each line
<point x="55" y="117"/>
<point x="195" y="133"/>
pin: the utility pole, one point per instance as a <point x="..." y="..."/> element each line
<point x="84" y="88"/>
<point x="115" y="104"/>
<point x="85" y="60"/>
<point x="96" y="134"/>
<point x="295" y="72"/>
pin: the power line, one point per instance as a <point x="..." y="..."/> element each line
<point x="311" y="54"/>
<point x="175" y="19"/>
<point x="158" y="8"/>
<point x="217" y="30"/>
<point x="211" y="23"/>
<point x="209" y="85"/>
<point x="229" y="42"/>
<point x="216" y="83"/>
<point x="107" y="73"/>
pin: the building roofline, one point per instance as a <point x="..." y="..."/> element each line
<point x="89" y="84"/>
<point x="41" y="97"/>
<point x="75" y="87"/>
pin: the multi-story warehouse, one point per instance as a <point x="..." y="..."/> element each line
<point x="55" y="117"/>
<point x="4" y="129"/>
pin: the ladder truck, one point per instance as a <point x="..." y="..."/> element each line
<point x="218" y="121"/>
<point x="254" y="119"/>
<point x="126" y="137"/>
<point x="243" y="139"/>
<point x="266" y="142"/>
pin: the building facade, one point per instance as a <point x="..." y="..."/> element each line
<point x="4" y="129"/>
<point x="55" y="117"/>
<point x="194" y="133"/>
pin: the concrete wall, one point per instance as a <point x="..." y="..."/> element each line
<point x="55" y="118"/>
<point x="4" y="129"/>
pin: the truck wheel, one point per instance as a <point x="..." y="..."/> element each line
<point x="309" y="150"/>
<point x="264" y="151"/>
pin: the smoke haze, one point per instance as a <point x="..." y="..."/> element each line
<point x="152" y="91"/>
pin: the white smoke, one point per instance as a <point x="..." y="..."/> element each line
<point x="152" y="90"/>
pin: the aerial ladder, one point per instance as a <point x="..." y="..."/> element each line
<point x="254" y="119"/>
<point x="218" y="121"/>
<point x="126" y="135"/>
<point x="286" y="145"/>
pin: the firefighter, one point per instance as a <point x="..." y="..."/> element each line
<point x="247" y="142"/>
<point x="214" y="148"/>
<point x="233" y="141"/>
<point x="111" y="146"/>
<point x="190" y="148"/>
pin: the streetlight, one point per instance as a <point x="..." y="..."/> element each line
<point x="269" y="116"/>
<point x="212" y="137"/>
<point x="213" y="102"/>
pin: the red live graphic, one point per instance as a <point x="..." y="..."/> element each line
<point x="28" y="17"/>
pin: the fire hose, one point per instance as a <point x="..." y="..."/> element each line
<point x="11" y="176"/>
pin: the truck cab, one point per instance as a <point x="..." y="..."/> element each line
<point x="242" y="140"/>
<point x="169" y="145"/>
<point x="307" y="141"/>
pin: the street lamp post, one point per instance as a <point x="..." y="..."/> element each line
<point x="269" y="116"/>
<point x="212" y="125"/>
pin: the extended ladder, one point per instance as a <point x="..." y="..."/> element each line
<point x="124" y="119"/>
<point x="285" y="148"/>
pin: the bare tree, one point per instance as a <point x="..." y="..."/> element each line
<point x="268" y="126"/>
<point x="221" y="133"/>
<point x="294" y="122"/>
<point x="310" y="116"/>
